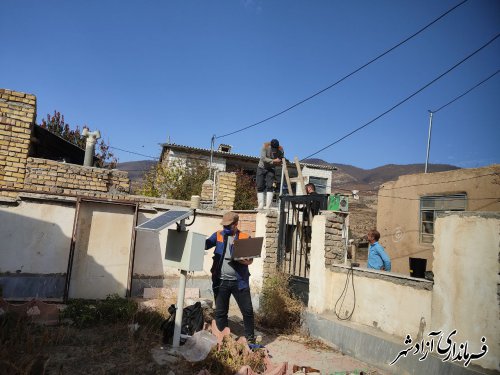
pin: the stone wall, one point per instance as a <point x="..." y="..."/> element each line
<point x="271" y="259"/>
<point x="64" y="178"/>
<point x="17" y="116"/>
<point x="207" y="189"/>
<point x="334" y="244"/>
<point x="226" y="191"/>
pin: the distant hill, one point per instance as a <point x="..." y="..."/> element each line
<point x="346" y="177"/>
<point x="350" y="177"/>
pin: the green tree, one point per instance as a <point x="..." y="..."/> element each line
<point x="177" y="180"/>
<point x="245" y="196"/>
<point x="104" y="158"/>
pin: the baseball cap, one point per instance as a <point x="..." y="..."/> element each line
<point x="229" y="218"/>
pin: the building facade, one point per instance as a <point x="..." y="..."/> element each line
<point x="408" y="208"/>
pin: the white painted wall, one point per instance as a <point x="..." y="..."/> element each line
<point x="217" y="162"/>
<point x="35" y="238"/>
<point x="317" y="275"/>
<point x="392" y="307"/>
<point x="466" y="278"/>
<point x="257" y="267"/>
<point x="307" y="171"/>
<point x="150" y="246"/>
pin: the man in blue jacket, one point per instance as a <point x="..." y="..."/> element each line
<point x="377" y="257"/>
<point x="230" y="277"/>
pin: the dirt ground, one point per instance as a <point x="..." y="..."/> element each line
<point x="123" y="349"/>
<point x="117" y="350"/>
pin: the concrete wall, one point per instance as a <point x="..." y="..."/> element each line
<point x="398" y="214"/>
<point x="150" y="246"/>
<point x="34" y="246"/>
<point x="466" y="281"/>
<point x="379" y="295"/>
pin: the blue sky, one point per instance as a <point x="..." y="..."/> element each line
<point x="144" y="71"/>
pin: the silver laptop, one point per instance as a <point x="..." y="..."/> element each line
<point x="247" y="248"/>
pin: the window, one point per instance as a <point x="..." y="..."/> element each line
<point x="320" y="184"/>
<point x="431" y="205"/>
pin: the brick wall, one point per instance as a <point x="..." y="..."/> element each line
<point x="17" y="116"/>
<point x="247" y="222"/>
<point x="226" y="191"/>
<point x="64" y="178"/>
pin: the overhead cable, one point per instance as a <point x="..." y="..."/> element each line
<point x="132" y="152"/>
<point x="346" y="76"/>
<point x="406" y="99"/>
<point x="465" y="93"/>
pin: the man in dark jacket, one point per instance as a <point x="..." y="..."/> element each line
<point x="271" y="155"/>
<point x="230" y="277"/>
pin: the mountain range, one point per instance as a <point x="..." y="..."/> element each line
<point x="347" y="177"/>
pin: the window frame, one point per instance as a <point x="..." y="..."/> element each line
<point x="434" y="204"/>
<point x="321" y="184"/>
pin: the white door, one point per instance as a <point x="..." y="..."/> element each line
<point x="102" y="250"/>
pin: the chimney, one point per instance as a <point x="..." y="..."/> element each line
<point x="224" y="148"/>
<point x="92" y="138"/>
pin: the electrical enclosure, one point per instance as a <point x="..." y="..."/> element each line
<point x="185" y="250"/>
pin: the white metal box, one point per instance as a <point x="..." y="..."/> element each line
<point x="185" y="250"/>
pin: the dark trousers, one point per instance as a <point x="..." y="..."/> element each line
<point x="265" y="179"/>
<point x="244" y="301"/>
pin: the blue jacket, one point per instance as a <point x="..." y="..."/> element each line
<point x="377" y="257"/>
<point x="242" y="272"/>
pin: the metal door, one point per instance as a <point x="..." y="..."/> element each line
<point x="294" y="238"/>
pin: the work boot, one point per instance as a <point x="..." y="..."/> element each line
<point x="260" y="199"/>
<point x="269" y="199"/>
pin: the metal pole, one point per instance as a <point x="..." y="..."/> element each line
<point x="180" y="307"/>
<point x="428" y="141"/>
<point x="211" y="155"/>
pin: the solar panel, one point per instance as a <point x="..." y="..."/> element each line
<point x="164" y="220"/>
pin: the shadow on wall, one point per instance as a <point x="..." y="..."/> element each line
<point x="149" y="255"/>
<point x="33" y="256"/>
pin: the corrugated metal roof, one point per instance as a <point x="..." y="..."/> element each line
<point x="233" y="155"/>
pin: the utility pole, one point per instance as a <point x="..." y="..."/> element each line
<point x="428" y="140"/>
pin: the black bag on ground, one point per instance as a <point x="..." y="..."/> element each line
<point x="192" y="321"/>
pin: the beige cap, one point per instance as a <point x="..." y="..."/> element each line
<point x="229" y="218"/>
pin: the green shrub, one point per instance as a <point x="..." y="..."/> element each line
<point x="86" y="313"/>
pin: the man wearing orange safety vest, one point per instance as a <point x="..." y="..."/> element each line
<point x="229" y="276"/>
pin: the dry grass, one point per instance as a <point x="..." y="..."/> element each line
<point x="231" y="357"/>
<point x="279" y="309"/>
<point x="97" y="343"/>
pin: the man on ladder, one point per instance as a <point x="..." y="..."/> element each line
<point x="271" y="155"/>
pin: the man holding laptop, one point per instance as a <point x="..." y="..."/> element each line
<point x="230" y="274"/>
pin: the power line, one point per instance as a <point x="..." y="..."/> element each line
<point x="404" y="100"/>
<point x="345" y="77"/>
<point x="131" y="152"/>
<point x="465" y="93"/>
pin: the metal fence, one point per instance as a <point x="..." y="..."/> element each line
<point x="295" y="232"/>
